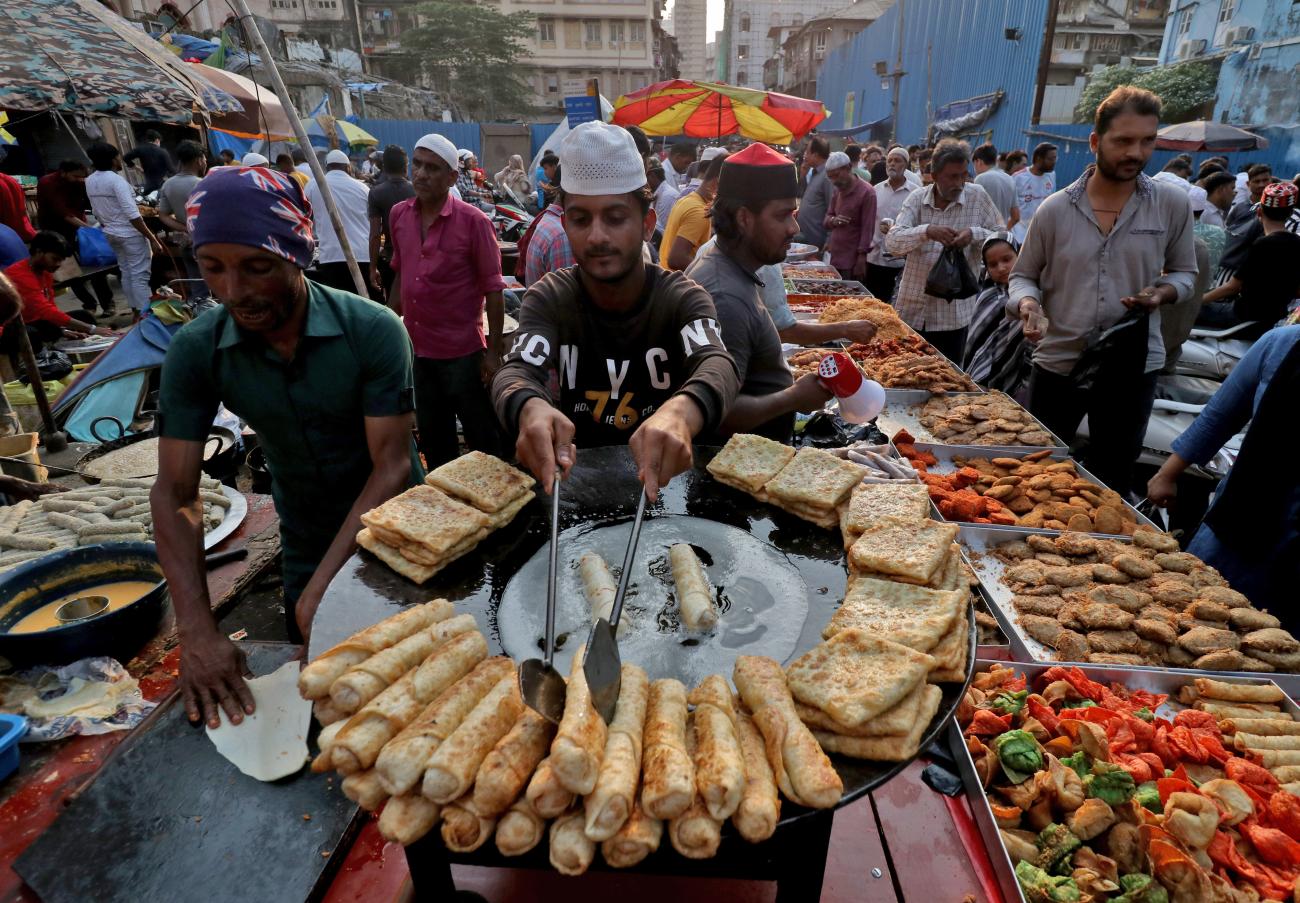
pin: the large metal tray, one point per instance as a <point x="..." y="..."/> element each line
<point x="801" y="286"/>
<point x="907" y="412"/>
<point x="601" y="491"/>
<point x="978" y="539"/>
<point x="1136" y="679"/>
<point x="946" y="453"/>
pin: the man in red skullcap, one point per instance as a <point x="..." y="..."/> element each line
<point x="753" y="217"/>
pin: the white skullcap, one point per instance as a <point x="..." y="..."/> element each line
<point x="899" y="152"/>
<point x="837" y="160"/>
<point x="599" y="158"/>
<point x="710" y="153"/>
<point x="254" y="159"/>
<point x="1199" y="198"/>
<point x="336" y="157"/>
<point x="440" y="146"/>
<point x="464" y="152"/>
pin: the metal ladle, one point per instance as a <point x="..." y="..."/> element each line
<point x="82" y="608"/>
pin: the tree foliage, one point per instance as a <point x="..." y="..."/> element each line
<point x="472" y="53"/>
<point x="1183" y="89"/>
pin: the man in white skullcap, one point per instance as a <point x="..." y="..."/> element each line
<point x="637" y="349"/>
<point x="883" y="269"/>
<point x="448" y="270"/>
<point x="351" y="197"/>
<point x="252" y="158"/>
<point x="467" y="187"/>
<point x="851" y="219"/>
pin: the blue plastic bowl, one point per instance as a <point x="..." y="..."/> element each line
<point x="12" y="728"/>
<point x="118" y="633"/>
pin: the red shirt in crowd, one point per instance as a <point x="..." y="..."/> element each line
<point x="13" y="207"/>
<point x="58" y="200"/>
<point x="37" y="292"/>
<point x="444" y="276"/>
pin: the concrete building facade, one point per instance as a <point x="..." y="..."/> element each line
<point x="690" y="27"/>
<point x="745" y="45"/>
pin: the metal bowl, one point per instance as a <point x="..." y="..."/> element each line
<point x="119" y="633"/>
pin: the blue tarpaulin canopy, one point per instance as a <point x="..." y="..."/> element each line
<point x="963" y="115"/>
<point x="857" y="129"/>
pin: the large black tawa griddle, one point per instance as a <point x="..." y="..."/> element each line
<point x="603" y="489"/>
<point x="168" y="818"/>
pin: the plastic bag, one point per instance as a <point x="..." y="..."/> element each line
<point x="52" y="364"/>
<point x="951" y="277"/>
<point x="93" y="249"/>
<point x="1120" y="350"/>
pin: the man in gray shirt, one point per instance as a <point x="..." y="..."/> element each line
<point x="1113" y="242"/>
<point x="817" y="193"/>
<point x="1000" y="186"/>
<point x="172" y="198"/>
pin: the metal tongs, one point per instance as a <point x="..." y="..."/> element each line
<point x="602" y="666"/>
<point x="540" y="685"/>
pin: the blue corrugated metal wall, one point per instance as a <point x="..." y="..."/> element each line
<point x="538" y="133"/>
<point x="404" y="133"/>
<point x="952" y="50"/>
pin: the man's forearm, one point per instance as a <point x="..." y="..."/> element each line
<point x="178" y="536"/>
<point x="172" y="222"/>
<point x="395" y="296"/>
<point x="805" y="333"/>
<point x="749" y="411"/>
<point x="142" y="227"/>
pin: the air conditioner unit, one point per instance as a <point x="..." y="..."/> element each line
<point x="1188" y="49"/>
<point x="1242" y="34"/>
<point x="1255" y="51"/>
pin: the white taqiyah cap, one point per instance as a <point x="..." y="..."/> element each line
<point x="464" y="152"/>
<point x="336" y="157"/>
<point x="599" y="158"/>
<point x="710" y="153"/>
<point x="1200" y="200"/>
<point x="837" y="160"/>
<point x="899" y="152"/>
<point x="254" y="159"/>
<point x="440" y="146"/>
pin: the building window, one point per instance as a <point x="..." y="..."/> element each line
<point x="742" y="52"/>
<point x="616" y="32"/>
<point x="593" y="31"/>
<point x="1185" y="21"/>
<point x="744" y="23"/>
<point x="638" y="33"/>
<point x="1227" y="9"/>
<point x="546" y="31"/>
<point x="742" y="77"/>
<point x="819" y="44"/>
<point x="1105" y="43"/>
<point x="552" y="83"/>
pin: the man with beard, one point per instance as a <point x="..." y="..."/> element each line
<point x="851" y="220"/>
<point x="1033" y="185"/>
<point x="635" y="349"/>
<point x="1113" y="242"/>
<point x="753" y="216"/>
<point x="323" y="376"/>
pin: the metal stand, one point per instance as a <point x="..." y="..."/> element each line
<point x="794" y="857"/>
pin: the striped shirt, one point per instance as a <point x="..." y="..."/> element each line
<point x="973" y="210"/>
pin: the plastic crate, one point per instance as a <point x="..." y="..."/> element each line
<point x="12" y="728"/>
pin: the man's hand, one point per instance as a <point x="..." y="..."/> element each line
<point x="808" y="393"/>
<point x="860" y="331"/>
<point x="156" y="244"/>
<point x="884" y="226"/>
<point x="73" y="334"/>
<point x="1162" y="488"/>
<point x="662" y="445"/>
<point x="305" y="611"/>
<point x="212" y="678"/>
<point x="26" y="490"/>
<point x="545" y="440"/>
<point x="942" y="234"/>
<point x="1031" y="319"/>
<point x="963" y="238"/>
<point x="1151" y="297"/>
<point x="376" y="278"/>
<point x="488" y="365"/>
<point x="860" y="268"/>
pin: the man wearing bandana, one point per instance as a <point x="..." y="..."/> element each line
<point x="325" y="379"/>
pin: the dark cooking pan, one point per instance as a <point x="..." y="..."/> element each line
<point x="218" y="462"/>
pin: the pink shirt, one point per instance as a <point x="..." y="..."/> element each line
<point x="445" y="276"/>
<point x="846" y="242"/>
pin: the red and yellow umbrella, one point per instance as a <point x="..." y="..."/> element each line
<point x="711" y="110"/>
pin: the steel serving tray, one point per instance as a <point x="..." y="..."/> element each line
<point x="976" y="541"/>
<point x="946" y="453"/>
<point x="906" y="415"/>
<point x="1134" y="678"/>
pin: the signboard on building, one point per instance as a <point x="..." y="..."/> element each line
<point x="582" y="108"/>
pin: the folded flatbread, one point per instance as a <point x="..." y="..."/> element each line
<point x="499" y="519"/>
<point x="614" y="797"/>
<point x="637" y="839"/>
<point x="402" y="761"/>
<point x="580" y="742"/>
<point x="519" y="830"/>
<point x="1209" y="688"/>
<point x="895" y="722"/>
<point x="886" y="749"/>
<point x="902" y="548"/>
<point x="667" y="774"/>
<point x="425" y="516"/>
<point x="747" y="462"/>
<point x="486" y="482"/>
<point x="597" y="584"/>
<point x="914" y="616"/>
<point x="416" y="573"/>
<point x="951" y="655"/>
<point x="815" y="479"/>
<point x="571" y="850"/>
<point x="506" y="770"/>
<point x="759" y="811"/>
<point x="803" y="772"/>
<point x="407" y="818"/>
<point x="719" y="761"/>
<point x="315" y="680"/>
<point x="455" y="763"/>
<point x="855" y="676"/>
<point x="694" y="594"/>
<point x="363" y="682"/>
<point x="872" y="502"/>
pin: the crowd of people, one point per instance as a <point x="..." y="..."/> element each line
<point x="655" y="315"/>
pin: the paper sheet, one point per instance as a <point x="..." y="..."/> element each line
<point x="272" y="742"/>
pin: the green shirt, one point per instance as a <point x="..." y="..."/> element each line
<point x="353" y="361"/>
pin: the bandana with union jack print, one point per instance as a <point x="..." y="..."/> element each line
<point x="255" y="206"/>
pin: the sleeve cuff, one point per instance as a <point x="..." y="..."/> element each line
<point x="707" y="400"/>
<point x="514" y="403"/>
<point x="390" y="403"/>
<point x="188" y="426"/>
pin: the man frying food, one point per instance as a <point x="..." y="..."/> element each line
<point x="636" y="349"/>
<point x="322" y="375"/>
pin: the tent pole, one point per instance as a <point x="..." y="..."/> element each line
<point x="301" y="133"/>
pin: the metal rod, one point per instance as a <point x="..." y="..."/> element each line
<point x="1045" y="60"/>
<point x="300" y="133"/>
<point x="625" y="577"/>
<point x="551" y="569"/>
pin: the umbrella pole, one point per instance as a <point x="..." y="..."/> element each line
<point x="51" y="437"/>
<point x="301" y="134"/>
